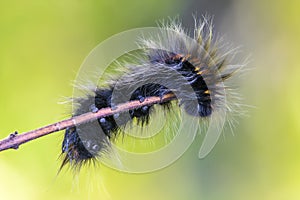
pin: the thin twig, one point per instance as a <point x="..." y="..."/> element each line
<point x="13" y="141"/>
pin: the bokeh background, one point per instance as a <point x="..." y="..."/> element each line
<point x="42" y="45"/>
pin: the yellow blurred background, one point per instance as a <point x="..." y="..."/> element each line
<point x="42" y="45"/>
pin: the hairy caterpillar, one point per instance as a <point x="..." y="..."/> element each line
<point x="192" y="69"/>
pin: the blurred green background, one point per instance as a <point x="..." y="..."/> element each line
<point x="42" y="45"/>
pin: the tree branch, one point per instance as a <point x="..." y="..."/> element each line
<point x="13" y="141"/>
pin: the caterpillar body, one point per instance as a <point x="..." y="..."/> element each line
<point x="193" y="69"/>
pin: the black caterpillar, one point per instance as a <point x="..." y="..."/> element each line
<point x="172" y="63"/>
